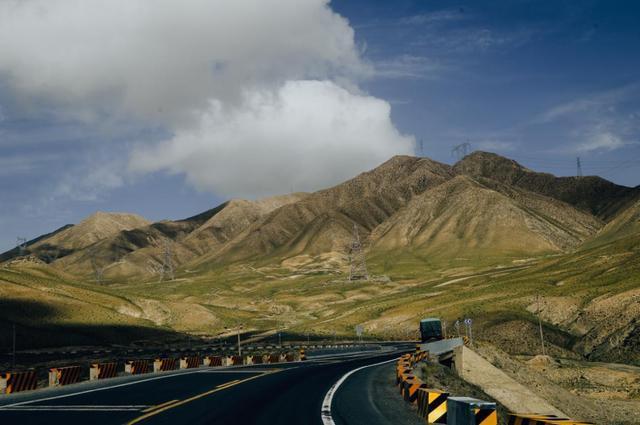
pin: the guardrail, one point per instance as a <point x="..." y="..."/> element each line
<point x="436" y="406"/>
<point x="17" y="381"/>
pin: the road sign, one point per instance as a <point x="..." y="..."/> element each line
<point x="359" y="330"/>
<point x="467" y="322"/>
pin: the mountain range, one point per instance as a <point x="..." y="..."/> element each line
<point x="483" y="205"/>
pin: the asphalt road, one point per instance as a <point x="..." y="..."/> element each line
<point x="270" y="394"/>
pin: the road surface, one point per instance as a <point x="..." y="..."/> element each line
<point x="268" y="394"/>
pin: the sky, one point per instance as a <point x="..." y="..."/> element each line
<point x="166" y="109"/>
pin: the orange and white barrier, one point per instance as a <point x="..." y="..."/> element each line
<point x="14" y="382"/>
<point x="64" y="375"/>
<point x="165" y="364"/>
<point x="190" y="362"/>
<point x="103" y="371"/>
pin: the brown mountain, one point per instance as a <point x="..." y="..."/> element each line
<point x="465" y="215"/>
<point x="74" y="238"/>
<point x="136" y="251"/>
<point x="592" y="194"/>
<point x="323" y="221"/>
<point x="484" y="203"/>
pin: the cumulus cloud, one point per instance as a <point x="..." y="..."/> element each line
<point x="162" y="58"/>
<point x="307" y="135"/>
<point x="259" y="95"/>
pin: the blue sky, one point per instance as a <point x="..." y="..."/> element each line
<point x="538" y="81"/>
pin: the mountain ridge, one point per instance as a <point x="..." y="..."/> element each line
<point x="403" y="203"/>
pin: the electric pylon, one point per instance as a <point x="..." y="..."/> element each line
<point x="579" y="167"/>
<point x="21" y="244"/>
<point x="358" y="269"/>
<point x="461" y="150"/>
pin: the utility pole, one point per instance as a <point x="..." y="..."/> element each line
<point x="444" y="329"/>
<point x="421" y="147"/>
<point x="540" y="325"/>
<point x="579" y="167"/>
<point x="239" y="346"/>
<point x="13" y="357"/>
<point x="358" y="262"/>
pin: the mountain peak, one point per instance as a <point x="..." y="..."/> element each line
<point x="483" y="163"/>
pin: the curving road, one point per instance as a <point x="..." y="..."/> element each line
<point x="269" y="394"/>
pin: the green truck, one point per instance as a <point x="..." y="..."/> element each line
<point x="430" y="330"/>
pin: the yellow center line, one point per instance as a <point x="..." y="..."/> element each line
<point x="196" y="397"/>
<point x="228" y="384"/>
<point x="158" y="406"/>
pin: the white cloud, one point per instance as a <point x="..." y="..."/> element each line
<point x="163" y="59"/>
<point x="604" y="141"/>
<point x="307" y="135"/>
<point x="260" y="95"/>
<point x="408" y="66"/>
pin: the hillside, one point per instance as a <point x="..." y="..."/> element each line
<point x="624" y="225"/>
<point x="483" y="204"/>
<point x="73" y="238"/>
<point x="443" y="242"/>
<point x="463" y="216"/>
<point x="323" y="221"/>
<point x="136" y="251"/>
<point x="591" y="194"/>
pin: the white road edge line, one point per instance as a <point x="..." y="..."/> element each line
<point x="325" y="411"/>
<point x="2" y="407"/>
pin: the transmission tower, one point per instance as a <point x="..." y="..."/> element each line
<point x="167" y="260"/>
<point x="358" y="270"/>
<point x="164" y="269"/>
<point x="461" y="150"/>
<point x="579" y="167"/>
<point x="98" y="271"/>
<point x="21" y="244"/>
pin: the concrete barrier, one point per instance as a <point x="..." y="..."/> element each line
<point x="190" y="362"/>
<point x="103" y="371"/>
<point x="432" y="405"/>
<point x="14" y="382"/>
<point x="137" y="367"/>
<point x="165" y="364"/>
<point x="532" y="419"/>
<point x="64" y="375"/>
<point x="471" y="411"/>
